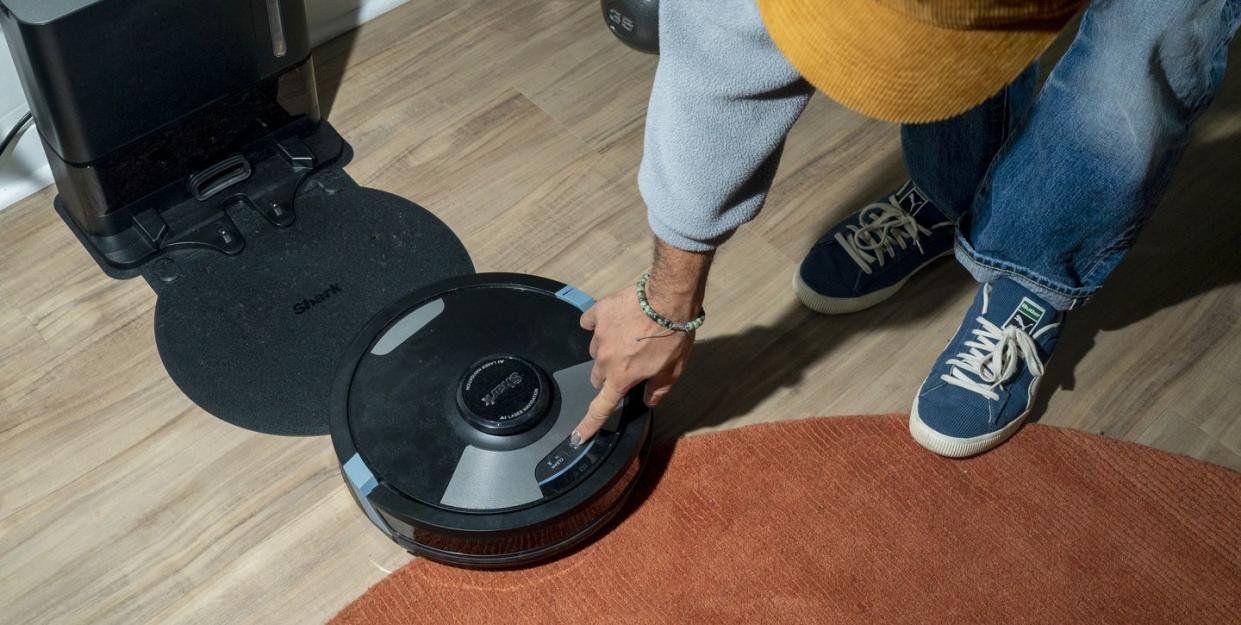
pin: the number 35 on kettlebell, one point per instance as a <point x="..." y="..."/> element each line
<point x="634" y="22"/>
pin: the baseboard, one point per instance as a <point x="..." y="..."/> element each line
<point x="24" y="170"/>
<point x="331" y="18"/>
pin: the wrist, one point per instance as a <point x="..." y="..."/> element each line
<point x="677" y="302"/>
<point x="672" y="325"/>
<point x="678" y="282"/>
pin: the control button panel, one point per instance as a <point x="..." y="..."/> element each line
<point x="565" y="466"/>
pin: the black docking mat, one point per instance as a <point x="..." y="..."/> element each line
<point x="256" y="338"/>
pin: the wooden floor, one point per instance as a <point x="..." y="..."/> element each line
<point x="520" y="124"/>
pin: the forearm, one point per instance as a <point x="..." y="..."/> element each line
<point x="678" y="281"/>
<point x="723" y="101"/>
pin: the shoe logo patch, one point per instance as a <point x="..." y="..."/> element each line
<point x="1026" y="316"/>
<point x="912" y="201"/>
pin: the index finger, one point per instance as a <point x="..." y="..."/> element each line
<point x="600" y="409"/>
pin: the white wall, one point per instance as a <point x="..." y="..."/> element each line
<point x="24" y="169"/>
<point x="330" y="18"/>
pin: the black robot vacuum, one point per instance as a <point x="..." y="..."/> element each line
<point x="228" y="195"/>
<point x="451" y="418"/>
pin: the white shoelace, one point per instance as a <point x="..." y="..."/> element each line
<point x="885" y="226"/>
<point x="994" y="354"/>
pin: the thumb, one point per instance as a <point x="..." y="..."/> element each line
<point x="589" y="318"/>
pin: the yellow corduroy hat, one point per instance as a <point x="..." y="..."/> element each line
<point x="913" y="61"/>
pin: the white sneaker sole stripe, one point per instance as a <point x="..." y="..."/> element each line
<point x="844" y="305"/>
<point x="954" y="447"/>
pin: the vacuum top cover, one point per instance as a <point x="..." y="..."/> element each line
<point x="464" y="395"/>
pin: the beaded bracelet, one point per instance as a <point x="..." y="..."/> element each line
<point x="663" y="321"/>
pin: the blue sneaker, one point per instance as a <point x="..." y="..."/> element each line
<point x="982" y="386"/>
<point x="867" y="257"/>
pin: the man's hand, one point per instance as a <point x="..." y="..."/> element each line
<point x="622" y="361"/>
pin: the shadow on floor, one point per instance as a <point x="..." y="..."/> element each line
<point x="331" y="57"/>
<point x="1188" y="248"/>
<point x="729" y="375"/>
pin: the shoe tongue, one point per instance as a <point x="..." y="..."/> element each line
<point x="911" y="198"/>
<point x="1027" y="315"/>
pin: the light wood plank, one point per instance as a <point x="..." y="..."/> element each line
<point x="520" y="124"/>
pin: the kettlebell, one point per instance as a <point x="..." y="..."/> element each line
<point x="634" y="22"/>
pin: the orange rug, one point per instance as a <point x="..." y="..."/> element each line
<point x="845" y="520"/>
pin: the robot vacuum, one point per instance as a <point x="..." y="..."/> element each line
<point x="451" y="418"/>
<point x="451" y="411"/>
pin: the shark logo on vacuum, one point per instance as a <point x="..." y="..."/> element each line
<point x="510" y="382"/>
<point x="307" y="304"/>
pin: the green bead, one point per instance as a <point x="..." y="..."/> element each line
<point x="659" y="319"/>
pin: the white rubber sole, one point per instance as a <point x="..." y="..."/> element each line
<point x="953" y="447"/>
<point x="844" y="305"/>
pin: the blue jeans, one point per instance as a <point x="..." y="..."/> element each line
<point x="1052" y="190"/>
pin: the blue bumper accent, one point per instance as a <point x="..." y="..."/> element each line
<point x="360" y="479"/>
<point x="576" y="297"/>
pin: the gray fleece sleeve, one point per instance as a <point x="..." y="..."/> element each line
<point x="723" y="100"/>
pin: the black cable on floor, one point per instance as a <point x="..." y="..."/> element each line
<point x="11" y="137"/>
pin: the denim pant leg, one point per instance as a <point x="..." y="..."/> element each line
<point x="949" y="159"/>
<point x="1069" y="192"/>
